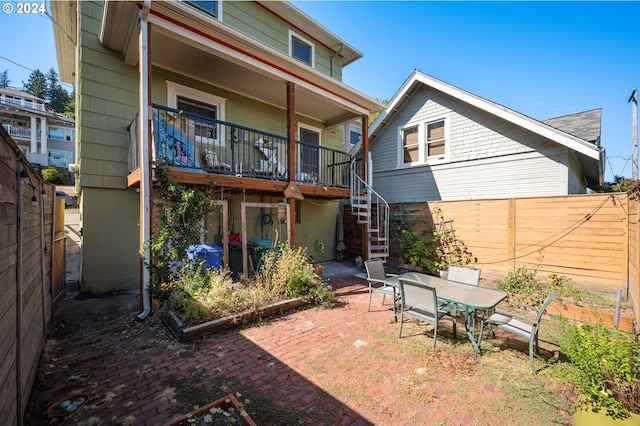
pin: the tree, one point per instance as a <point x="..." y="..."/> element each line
<point x="70" y="107"/>
<point x="4" y="79"/>
<point x="53" y="174"/>
<point x="57" y="98"/>
<point x="37" y="84"/>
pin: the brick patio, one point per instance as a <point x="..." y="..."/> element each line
<point x="342" y="365"/>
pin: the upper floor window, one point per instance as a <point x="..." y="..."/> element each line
<point x="207" y="107"/>
<point x="301" y="48"/>
<point x="410" y="145"/>
<point x="424" y="143"/>
<point x="436" y="140"/>
<point x="210" y="7"/>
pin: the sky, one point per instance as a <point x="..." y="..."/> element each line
<point x="541" y="59"/>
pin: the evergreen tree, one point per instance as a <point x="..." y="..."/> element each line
<point x="37" y="84"/>
<point x="4" y="79"/>
<point x="57" y="98"/>
<point x="70" y="107"/>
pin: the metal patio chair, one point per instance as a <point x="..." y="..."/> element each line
<point x="462" y="274"/>
<point x="420" y="302"/>
<point x="521" y="325"/>
<point x="377" y="275"/>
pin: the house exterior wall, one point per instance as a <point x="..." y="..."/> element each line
<point x="107" y="102"/>
<point x="256" y="21"/>
<point x="106" y="105"/>
<point x="487" y="158"/>
<point x="242" y="110"/>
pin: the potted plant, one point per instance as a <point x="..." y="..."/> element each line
<point x="606" y="372"/>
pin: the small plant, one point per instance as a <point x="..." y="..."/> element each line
<point x="606" y="367"/>
<point x="54" y="174"/>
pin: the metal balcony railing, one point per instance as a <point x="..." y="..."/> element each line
<point x="195" y="142"/>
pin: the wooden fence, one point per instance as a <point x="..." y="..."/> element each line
<point x="592" y="239"/>
<point x="26" y="259"/>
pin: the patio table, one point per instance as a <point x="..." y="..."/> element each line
<point x="468" y="297"/>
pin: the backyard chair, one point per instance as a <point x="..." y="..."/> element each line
<point x="377" y="275"/>
<point x="462" y="274"/>
<point x="521" y="325"/>
<point x="420" y="302"/>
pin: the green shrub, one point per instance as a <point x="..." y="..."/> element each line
<point x="53" y="174"/>
<point x="606" y="367"/>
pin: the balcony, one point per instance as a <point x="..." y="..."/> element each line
<point x="21" y="103"/>
<point x="18" y="132"/>
<point x="195" y="144"/>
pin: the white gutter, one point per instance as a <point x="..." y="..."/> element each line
<point x="145" y="171"/>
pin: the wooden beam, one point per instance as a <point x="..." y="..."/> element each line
<point x="291" y="163"/>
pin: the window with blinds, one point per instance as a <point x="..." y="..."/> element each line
<point x="410" y="145"/>
<point x="435" y="139"/>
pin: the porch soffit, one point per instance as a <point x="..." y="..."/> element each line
<point x="214" y="53"/>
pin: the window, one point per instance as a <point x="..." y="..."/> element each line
<point x="207" y="106"/>
<point x="56" y="133"/>
<point x="410" y="145"/>
<point x="209" y="7"/>
<point x="435" y="139"/>
<point x="425" y="142"/>
<point x="301" y="48"/>
<point x="60" y="158"/>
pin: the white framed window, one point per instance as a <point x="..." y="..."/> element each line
<point x="301" y="48"/>
<point x="425" y="142"/>
<point x="436" y="139"/>
<point x="209" y="107"/>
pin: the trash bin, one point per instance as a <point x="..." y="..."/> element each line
<point x="235" y="259"/>
<point x="211" y="255"/>
<point x="260" y="246"/>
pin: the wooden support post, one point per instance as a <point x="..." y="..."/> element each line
<point x="511" y="235"/>
<point x="291" y="156"/>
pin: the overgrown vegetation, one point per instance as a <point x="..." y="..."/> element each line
<point x="432" y="249"/>
<point x="200" y="294"/>
<point x="533" y="291"/>
<point x="605" y="367"/>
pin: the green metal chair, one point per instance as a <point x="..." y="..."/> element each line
<point x="377" y="275"/>
<point x="462" y="274"/>
<point x="420" y="302"/>
<point x="521" y="325"/>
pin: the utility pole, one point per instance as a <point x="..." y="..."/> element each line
<point x="634" y="132"/>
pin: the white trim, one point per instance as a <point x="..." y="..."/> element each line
<point x="311" y="45"/>
<point x="422" y="142"/>
<point x="175" y="89"/>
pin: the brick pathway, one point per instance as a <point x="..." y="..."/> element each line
<point x="339" y="366"/>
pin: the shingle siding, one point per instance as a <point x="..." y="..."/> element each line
<point x="488" y="156"/>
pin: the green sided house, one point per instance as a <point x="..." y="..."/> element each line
<point x="243" y="94"/>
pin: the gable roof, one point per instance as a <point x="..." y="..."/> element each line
<point x="589" y="155"/>
<point x="585" y="125"/>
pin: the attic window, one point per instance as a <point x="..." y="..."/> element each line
<point x="301" y="49"/>
<point x="435" y="139"/>
<point x="410" y="145"/>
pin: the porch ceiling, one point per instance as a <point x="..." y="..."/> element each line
<point x="192" y="44"/>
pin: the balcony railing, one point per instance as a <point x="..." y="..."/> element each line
<point x="194" y="142"/>
<point x="22" y="103"/>
<point x="18" y="132"/>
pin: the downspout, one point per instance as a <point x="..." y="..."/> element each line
<point x="145" y="164"/>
